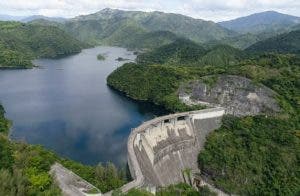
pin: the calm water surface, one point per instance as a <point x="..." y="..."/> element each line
<point x="65" y="105"/>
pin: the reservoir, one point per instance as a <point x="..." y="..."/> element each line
<point x="66" y="106"/>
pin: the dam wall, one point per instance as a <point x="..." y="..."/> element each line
<point x="163" y="150"/>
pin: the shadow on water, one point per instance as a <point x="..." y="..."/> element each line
<point x="143" y="107"/>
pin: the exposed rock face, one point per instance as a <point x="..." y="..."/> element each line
<point x="239" y="95"/>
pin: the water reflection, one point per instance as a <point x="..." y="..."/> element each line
<point x="66" y="106"/>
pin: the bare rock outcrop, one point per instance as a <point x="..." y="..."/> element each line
<point x="239" y="95"/>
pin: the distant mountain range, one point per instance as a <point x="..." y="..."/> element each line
<point x="30" y="18"/>
<point x="269" y="21"/>
<point x="116" y="26"/>
<point x="149" y="30"/>
<point x="11" y="18"/>
<point x="38" y="17"/>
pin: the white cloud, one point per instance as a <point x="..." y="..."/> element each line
<point x="206" y="9"/>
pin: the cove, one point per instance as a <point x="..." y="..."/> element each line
<point x="66" y="106"/>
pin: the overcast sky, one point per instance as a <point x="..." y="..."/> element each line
<point x="215" y="10"/>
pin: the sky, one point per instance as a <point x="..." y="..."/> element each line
<point x="215" y="10"/>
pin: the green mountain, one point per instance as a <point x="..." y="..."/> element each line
<point x="284" y="43"/>
<point x="240" y="41"/>
<point x="157" y="74"/>
<point x="259" y="153"/>
<point x="142" y="40"/>
<point x="180" y="51"/>
<point x="117" y="27"/>
<point x="269" y="21"/>
<point x="222" y="55"/>
<point x="20" y="43"/>
<point x="186" y="52"/>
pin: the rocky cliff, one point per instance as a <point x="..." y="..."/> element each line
<point x="239" y="95"/>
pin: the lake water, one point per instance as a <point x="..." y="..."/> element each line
<point x="66" y="106"/>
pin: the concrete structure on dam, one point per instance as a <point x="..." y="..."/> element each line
<point x="160" y="152"/>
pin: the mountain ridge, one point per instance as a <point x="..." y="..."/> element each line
<point x="97" y="28"/>
<point x="260" y="22"/>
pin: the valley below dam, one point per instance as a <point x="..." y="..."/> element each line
<point x="65" y="105"/>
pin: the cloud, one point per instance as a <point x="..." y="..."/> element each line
<point x="206" y="9"/>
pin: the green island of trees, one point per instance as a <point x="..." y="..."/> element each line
<point x="100" y="57"/>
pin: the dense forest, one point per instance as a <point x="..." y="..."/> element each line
<point x="127" y="28"/>
<point x="259" y="154"/>
<point x="184" y="52"/>
<point x="20" y="43"/>
<point x="285" y="43"/>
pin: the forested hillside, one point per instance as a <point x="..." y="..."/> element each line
<point x="284" y="43"/>
<point x="186" y="53"/>
<point x="20" y="43"/>
<point x="269" y="21"/>
<point x="118" y="27"/>
<point x="257" y="153"/>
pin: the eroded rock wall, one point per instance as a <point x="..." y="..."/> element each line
<point x="239" y="95"/>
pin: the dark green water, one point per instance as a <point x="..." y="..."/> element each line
<point x="67" y="107"/>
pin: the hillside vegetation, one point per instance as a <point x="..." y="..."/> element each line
<point x="260" y="154"/>
<point x="186" y="53"/>
<point x="143" y="40"/>
<point x="20" y="43"/>
<point x="149" y="30"/>
<point x="118" y="27"/>
<point x="269" y="21"/>
<point x="284" y="43"/>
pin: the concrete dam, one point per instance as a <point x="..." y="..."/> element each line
<point x="160" y="150"/>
